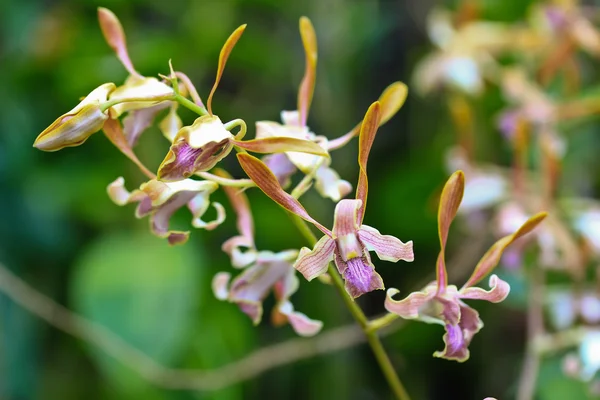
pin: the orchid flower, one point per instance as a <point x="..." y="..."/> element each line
<point x="567" y="19"/>
<point x="565" y="306"/>
<point x="76" y="126"/>
<point x="327" y="182"/>
<point x="464" y="53"/>
<point x="161" y="200"/>
<point x="207" y="141"/>
<point x="263" y="271"/>
<point x="489" y="189"/>
<point x="349" y="243"/>
<point x="585" y="364"/>
<point x="149" y="92"/>
<point x="443" y="304"/>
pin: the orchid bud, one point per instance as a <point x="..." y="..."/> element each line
<point x="74" y="127"/>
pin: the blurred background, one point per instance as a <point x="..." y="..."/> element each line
<point x="61" y="234"/>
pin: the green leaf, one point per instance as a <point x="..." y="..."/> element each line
<point x="144" y="291"/>
<point x="554" y="385"/>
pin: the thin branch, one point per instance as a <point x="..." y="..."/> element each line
<point x="254" y="364"/>
<point x="535" y="330"/>
<point x="201" y="380"/>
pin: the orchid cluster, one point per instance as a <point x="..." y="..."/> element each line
<point x="550" y="53"/>
<point x="189" y="174"/>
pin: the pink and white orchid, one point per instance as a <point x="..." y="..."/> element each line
<point x="207" y="141"/>
<point x="294" y="125"/>
<point x="160" y="200"/>
<point x="443" y="304"/>
<point x="327" y="182"/>
<point x="349" y="243"/>
<point x="263" y="271"/>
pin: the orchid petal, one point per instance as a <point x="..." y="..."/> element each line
<point x="220" y="284"/>
<point x="121" y="196"/>
<point x="290" y="283"/>
<point x="196" y="148"/>
<point x="233" y="247"/>
<point x="458" y="336"/>
<point x="223" y="56"/>
<point x="450" y="199"/>
<point x="115" y="37"/>
<point x="387" y="247"/>
<point x="391" y="100"/>
<point x="368" y="129"/>
<point x="137" y="121"/>
<point x="114" y="133"/>
<point x="291" y="118"/>
<point x="307" y="86"/>
<point x="147" y="92"/>
<point x="171" y="123"/>
<point x="498" y="292"/>
<point x="455" y="347"/>
<point x="198" y="206"/>
<point x="345" y="218"/>
<point x="301" y="324"/>
<point x="241" y="205"/>
<point x="252" y="286"/>
<point x="280" y="145"/>
<point x="410" y="307"/>
<point x="329" y="184"/>
<point x="590" y="308"/>
<point x="265" y="129"/>
<point x="359" y="275"/>
<point x="183" y="160"/>
<point x="166" y="198"/>
<point x="491" y="258"/>
<point x="312" y="263"/>
<point x="267" y="182"/>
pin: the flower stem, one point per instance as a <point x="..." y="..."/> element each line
<point x="190" y="105"/>
<point x="372" y="338"/>
<point x="382" y="322"/>
<point x="535" y="330"/>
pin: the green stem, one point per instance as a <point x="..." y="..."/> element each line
<point x="382" y="322"/>
<point x="376" y="346"/>
<point x="190" y="105"/>
<point x="306" y="182"/>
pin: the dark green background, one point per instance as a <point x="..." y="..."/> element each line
<point x="60" y="232"/>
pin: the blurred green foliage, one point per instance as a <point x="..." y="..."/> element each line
<point x="61" y="233"/>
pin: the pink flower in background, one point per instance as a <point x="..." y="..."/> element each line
<point x="441" y="303"/>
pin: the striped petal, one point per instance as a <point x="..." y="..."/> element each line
<point x="387" y="247"/>
<point x="312" y="263"/>
<point x="301" y="324"/>
<point x="498" y="292"/>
